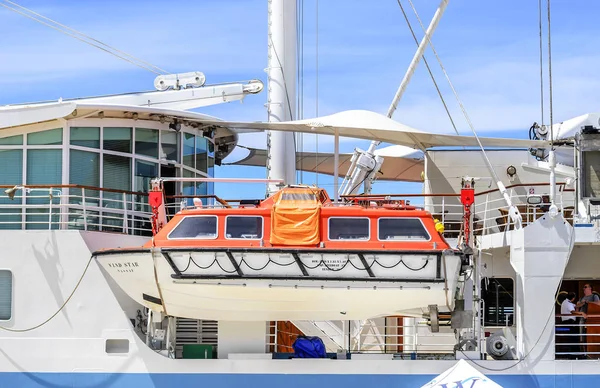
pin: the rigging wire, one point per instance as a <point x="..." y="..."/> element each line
<point x="464" y="111"/>
<point x="287" y="93"/>
<point x="30" y="14"/>
<point x="87" y="266"/>
<point x="550" y="80"/>
<point x="429" y="70"/>
<point x="300" y="108"/>
<point x="317" y="89"/>
<point x="541" y="62"/>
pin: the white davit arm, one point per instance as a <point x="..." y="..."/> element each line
<point x="187" y="92"/>
<point x="364" y="167"/>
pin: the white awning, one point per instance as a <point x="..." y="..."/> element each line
<point x="401" y="163"/>
<point x="368" y="125"/>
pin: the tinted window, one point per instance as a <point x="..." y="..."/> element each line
<point x="5" y="295"/>
<point x="498" y="295"/>
<point x="244" y="227"/>
<point x="402" y="229"/>
<point x="348" y="228"/>
<point x="203" y="227"/>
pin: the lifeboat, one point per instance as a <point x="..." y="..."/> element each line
<point x="296" y="255"/>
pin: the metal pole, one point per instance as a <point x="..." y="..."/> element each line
<point x="417" y="57"/>
<point x="281" y="86"/>
<point x="413" y="65"/>
<point x="336" y="162"/>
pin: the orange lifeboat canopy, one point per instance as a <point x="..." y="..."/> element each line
<point x="295" y="216"/>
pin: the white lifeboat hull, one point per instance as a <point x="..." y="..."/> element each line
<point x="262" y="285"/>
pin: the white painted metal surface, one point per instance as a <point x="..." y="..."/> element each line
<point x="275" y="291"/>
<point x="281" y="100"/>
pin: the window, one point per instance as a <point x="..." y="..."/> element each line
<point x="244" y="227"/>
<point x="12" y="167"/>
<point x="170" y="146"/>
<point x="117" y="172"/>
<point x="402" y="229"/>
<point x="200" y="227"/>
<point x="345" y="228"/>
<point x="144" y="173"/>
<point x="85" y="137"/>
<point x="201" y="153"/>
<point x="6" y="296"/>
<point x="188" y="149"/>
<point x="12" y="140"/>
<point x="12" y="174"/>
<point x="498" y="295"/>
<point x="117" y="139"/>
<point x="146" y="142"/>
<point x="84" y="168"/>
<point x="50" y="137"/>
<point x="44" y="167"/>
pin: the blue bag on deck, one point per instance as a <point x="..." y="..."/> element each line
<point x="309" y="347"/>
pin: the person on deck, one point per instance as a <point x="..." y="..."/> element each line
<point x="582" y="306"/>
<point x="569" y="313"/>
<point x="588" y="297"/>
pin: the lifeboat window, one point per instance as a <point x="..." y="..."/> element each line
<point x="201" y="227"/>
<point x="6" y="297"/>
<point x="402" y="229"/>
<point x="244" y="227"/>
<point x="347" y="228"/>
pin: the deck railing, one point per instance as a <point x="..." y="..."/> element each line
<point x="93" y="208"/>
<point x="401" y="336"/>
<point x="578" y="339"/>
<point x="75" y="207"/>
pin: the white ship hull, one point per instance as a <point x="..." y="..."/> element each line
<point x="71" y="349"/>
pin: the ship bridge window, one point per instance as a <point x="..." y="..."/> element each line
<point x="402" y="229"/>
<point x="347" y="228"/>
<point x="6" y="288"/>
<point x="199" y="227"/>
<point x="243" y="227"/>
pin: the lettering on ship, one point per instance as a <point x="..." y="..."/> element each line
<point x="127" y="266"/>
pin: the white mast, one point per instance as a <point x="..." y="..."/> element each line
<point x="281" y="103"/>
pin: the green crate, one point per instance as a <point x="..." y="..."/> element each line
<point x="198" y="351"/>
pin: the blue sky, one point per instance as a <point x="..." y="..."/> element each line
<point x="489" y="48"/>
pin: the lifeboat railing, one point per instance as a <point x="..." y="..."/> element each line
<point x="78" y="207"/>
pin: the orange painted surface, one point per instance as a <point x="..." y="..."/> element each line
<point x="304" y="237"/>
<point x="295" y="217"/>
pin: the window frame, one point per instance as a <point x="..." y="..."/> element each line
<point x="195" y="238"/>
<point x="502" y="317"/>
<point x="262" y="227"/>
<point x="348" y="239"/>
<point x="403" y="240"/>
<point x="12" y="294"/>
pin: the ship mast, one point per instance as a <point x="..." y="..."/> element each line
<point x="281" y="86"/>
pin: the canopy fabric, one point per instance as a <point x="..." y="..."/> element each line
<point x="369" y="125"/>
<point x="295" y="217"/>
<point x="395" y="168"/>
<point x="14" y="116"/>
<point x="461" y="374"/>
